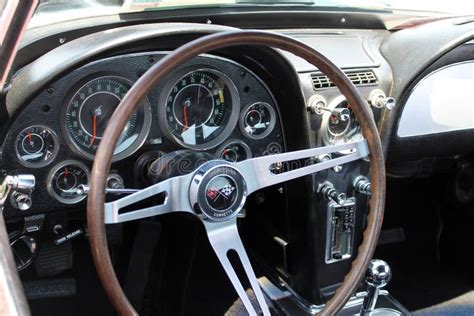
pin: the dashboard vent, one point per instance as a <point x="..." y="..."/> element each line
<point x="358" y="78"/>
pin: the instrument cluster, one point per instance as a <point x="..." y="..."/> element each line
<point x="210" y="105"/>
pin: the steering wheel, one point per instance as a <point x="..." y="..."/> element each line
<point x="191" y="192"/>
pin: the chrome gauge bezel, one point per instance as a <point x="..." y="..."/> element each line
<point x="221" y="148"/>
<point x="145" y="130"/>
<point x="167" y="89"/>
<point x="42" y="163"/>
<point x="324" y="130"/>
<point x="271" y="125"/>
<point x="55" y="169"/>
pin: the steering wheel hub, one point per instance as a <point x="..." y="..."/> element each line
<point x="218" y="190"/>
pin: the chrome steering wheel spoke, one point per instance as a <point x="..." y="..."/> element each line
<point x="174" y="195"/>
<point x="258" y="172"/>
<point x="224" y="237"/>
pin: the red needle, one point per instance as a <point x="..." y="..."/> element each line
<point x="94" y="130"/>
<point x="185" y="113"/>
<point x="30" y="137"/>
<point x="66" y="173"/>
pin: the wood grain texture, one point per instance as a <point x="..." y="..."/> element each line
<point x="95" y="206"/>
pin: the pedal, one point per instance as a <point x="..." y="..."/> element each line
<point x="53" y="259"/>
<point x="49" y="288"/>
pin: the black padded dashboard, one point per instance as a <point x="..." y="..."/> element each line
<point x="47" y="109"/>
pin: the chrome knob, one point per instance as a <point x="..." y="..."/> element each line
<point x="317" y="104"/>
<point x="114" y="181"/>
<point x="21" y="201"/>
<point x="362" y="185"/>
<point x="378" y="99"/>
<point x="377" y="276"/>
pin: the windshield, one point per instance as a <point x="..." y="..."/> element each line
<point x="51" y="11"/>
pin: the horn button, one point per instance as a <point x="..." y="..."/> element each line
<point x="218" y="190"/>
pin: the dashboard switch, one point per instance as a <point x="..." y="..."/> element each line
<point x="317" y="104"/>
<point x="21" y="201"/>
<point x="328" y="191"/>
<point x="362" y="185"/>
<point x="114" y="181"/>
<point x="378" y="99"/>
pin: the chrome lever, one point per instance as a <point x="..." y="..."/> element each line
<point x="84" y="190"/>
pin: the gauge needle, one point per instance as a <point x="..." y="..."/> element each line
<point x="94" y="129"/>
<point x="185" y="113"/>
<point x="66" y="173"/>
<point x="30" y="137"/>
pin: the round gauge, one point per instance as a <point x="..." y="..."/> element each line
<point x="90" y="109"/>
<point x="36" y="146"/>
<point x="200" y="109"/>
<point x="234" y="151"/>
<point x="64" y="180"/>
<point x="339" y="124"/>
<point x="257" y="120"/>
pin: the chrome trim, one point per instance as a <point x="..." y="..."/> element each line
<point x="55" y="169"/>
<point x="225" y="237"/>
<point x="172" y="81"/>
<point x="39" y="164"/>
<point x="271" y="124"/>
<point x="176" y="200"/>
<point x="258" y="175"/>
<point x="127" y="152"/>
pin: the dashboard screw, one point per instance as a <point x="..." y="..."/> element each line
<point x="50" y="90"/>
<point x="62" y="40"/>
<point x="209" y="21"/>
<point x="151" y="59"/>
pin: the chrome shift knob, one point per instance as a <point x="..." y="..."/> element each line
<point x="377" y="276"/>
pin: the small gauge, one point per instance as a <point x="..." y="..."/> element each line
<point x="339" y="125"/>
<point x="64" y="180"/>
<point x="36" y="146"/>
<point x="234" y="151"/>
<point x="257" y="120"/>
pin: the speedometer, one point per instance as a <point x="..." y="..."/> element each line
<point x="201" y="109"/>
<point x="90" y="109"/>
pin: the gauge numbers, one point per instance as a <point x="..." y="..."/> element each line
<point x="64" y="180"/>
<point x="201" y="109"/>
<point x="89" y="111"/>
<point x="36" y="146"/>
<point x="257" y="120"/>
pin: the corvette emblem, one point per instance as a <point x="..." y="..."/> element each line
<point x="220" y="195"/>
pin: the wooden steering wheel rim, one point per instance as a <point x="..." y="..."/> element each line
<point x="102" y="161"/>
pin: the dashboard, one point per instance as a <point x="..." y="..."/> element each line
<point x="210" y="104"/>
<point x="231" y="104"/>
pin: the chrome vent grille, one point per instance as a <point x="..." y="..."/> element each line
<point x="358" y="78"/>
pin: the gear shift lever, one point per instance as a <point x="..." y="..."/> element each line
<point x="377" y="276"/>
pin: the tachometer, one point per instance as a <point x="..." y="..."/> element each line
<point x="200" y="109"/>
<point x="90" y="109"/>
